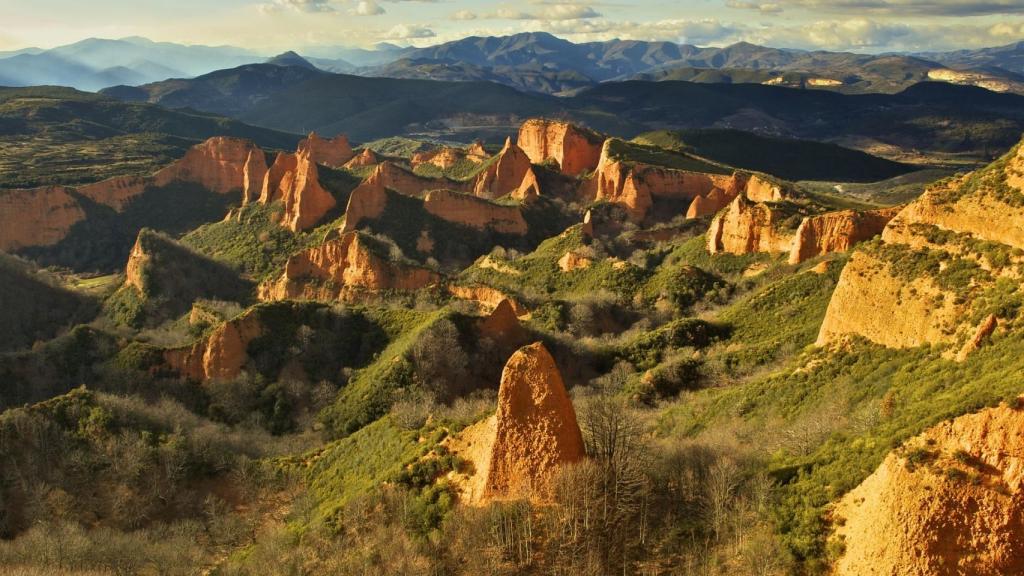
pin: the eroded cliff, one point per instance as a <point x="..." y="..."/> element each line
<point x="949" y="502"/>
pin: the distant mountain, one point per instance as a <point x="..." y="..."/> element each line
<point x="528" y="77"/>
<point x="931" y="117"/>
<point x="532" y="61"/>
<point x="1009" y="58"/>
<point x="291" y="59"/>
<point x="95" y="63"/>
<point x="541" y="62"/>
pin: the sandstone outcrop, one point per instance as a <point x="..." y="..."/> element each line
<point x="475" y="212"/>
<point x="505" y="174"/>
<point x="574" y="149"/>
<point x="502" y="326"/>
<point x="873" y="302"/>
<point x="535" y="430"/>
<point x="837" y="232"/>
<point x="366" y="202"/>
<point x="747" y="227"/>
<point x="365" y="158"/>
<point x="635" y="186"/>
<point x="574" y="261"/>
<point x="488" y="298"/>
<point x="334" y="152"/>
<point x="894" y="294"/>
<point x="119" y="191"/>
<point x="293" y="179"/>
<point x="134" y="270"/>
<point x="529" y="189"/>
<point x="37" y="217"/>
<point x="44" y="216"/>
<point x="221" y="355"/>
<point x="253" y="174"/>
<point x="956" y="508"/>
<point x="981" y="335"/>
<point x="393" y="177"/>
<point x="217" y="164"/>
<point x="445" y="157"/>
<point x="709" y="204"/>
<point x="343" y="266"/>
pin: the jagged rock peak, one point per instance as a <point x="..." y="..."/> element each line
<point x="576" y="150"/>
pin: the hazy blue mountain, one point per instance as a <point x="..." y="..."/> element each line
<point x="95" y="63"/>
<point x="1009" y="57"/>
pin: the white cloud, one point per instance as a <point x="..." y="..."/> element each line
<point x="762" y="7"/>
<point x="367" y="8"/>
<point x="409" y="32"/>
<point x="928" y="8"/>
<point x="464" y="15"/>
<point x="299" y="5"/>
<point x="549" y="13"/>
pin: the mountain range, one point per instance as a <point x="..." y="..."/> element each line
<point x="533" y="62"/>
<point x="300" y="98"/>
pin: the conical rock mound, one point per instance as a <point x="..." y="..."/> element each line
<point x="536" y="428"/>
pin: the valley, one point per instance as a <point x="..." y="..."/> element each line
<point x="479" y="308"/>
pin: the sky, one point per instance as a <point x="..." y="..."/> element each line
<point x="308" y="26"/>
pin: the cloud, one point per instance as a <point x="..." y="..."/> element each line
<point x="959" y="8"/>
<point x="549" y="13"/>
<point x="762" y="7"/>
<point x="409" y="32"/>
<point x="367" y="8"/>
<point x="464" y="15"/>
<point x="299" y="5"/>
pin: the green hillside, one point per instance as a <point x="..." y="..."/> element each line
<point x="62" y="136"/>
<point x="786" y="158"/>
<point x="36" y="305"/>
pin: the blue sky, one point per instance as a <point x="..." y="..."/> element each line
<point x="274" y="25"/>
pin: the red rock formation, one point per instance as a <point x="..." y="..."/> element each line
<point x="760" y="189"/>
<point x="708" y="205"/>
<point x="44" y="216"/>
<point x="502" y="326"/>
<point x="981" y="335"/>
<point x="529" y="189"/>
<point x="536" y="429"/>
<point x="576" y="150"/>
<point x="334" y="152"/>
<point x="746" y="227"/>
<point x="445" y="157"/>
<point x="220" y="356"/>
<point x="365" y="158"/>
<point x="117" y="192"/>
<point x="574" y="261"/>
<point x="837" y="232"/>
<point x="253" y="174"/>
<point x="879" y="298"/>
<point x="217" y="164"/>
<point x="872" y="301"/>
<point x="293" y="179"/>
<point x="961" y="512"/>
<point x="366" y="202"/>
<point x="476" y="149"/>
<point x="37" y="217"/>
<point x="343" y="265"/>
<point x="133" y="271"/>
<point x="505" y="175"/>
<point x="635" y="186"/>
<point x="475" y="212"/>
<point x="393" y="177"/>
<point x="489" y="298"/>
